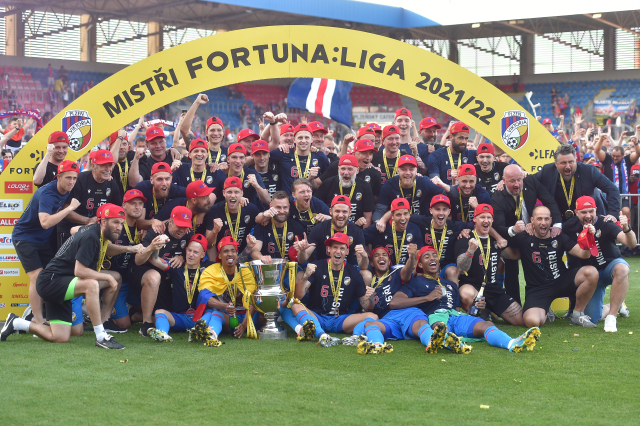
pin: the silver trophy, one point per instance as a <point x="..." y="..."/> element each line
<point x="269" y="295"/>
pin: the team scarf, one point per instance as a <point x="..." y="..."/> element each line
<point x="617" y="177"/>
<point x="27" y="113"/>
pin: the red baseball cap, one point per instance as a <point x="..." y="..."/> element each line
<point x="237" y="148"/>
<point x="102" y="156"/>
<point x="110" y="211"/>
<point x="585" y="202"/>
<point x="486" y="148"/>
<point x="403" y="111"/>
<point x="302" y="127"/>
<point x="245" y="133"/>
<point x="547" y="121"/>
<point x="400" y="203"/>
<point x="376" y="127"/>
<point x="635" y="169"/>
<point x="422" y="252"/>
<point x="160" y="167"/>
<point x="233" y="182"/>
<point x="132" y="194"/>
<point x="198" y="143"/>
<point x="348" y="160"/>
<point x="587" y="241"/>
<point x="182" y="216"/>
<point x="200" y="239"/>
<point x="483" y="208"/>
<point x="428" y="122"/>
<point x="259" y="146"/>
<point x="366" y="130"/>
<point x="363" y="145"/>
<point x="338" y="237"/>
<point x="67" y="166"/>
<point x="440" y="198"/>
<point x="459" y="127"/>
<point x="390" y="130"/>
<point x="226" y="241"/>
<point x="466" y="170"/>
<point x="114" y="136"/>
<point x="214" y="120"/>
<point x="59" y="136"/>
<point x="197" y="188"/>
<point x="341" y="199"/>
<point x="380" y="248"/>
<point x="407" y="159"/>
<point x="286" y="128"/>
<point x="317" y="126"/>
<point x="153" y="132"/>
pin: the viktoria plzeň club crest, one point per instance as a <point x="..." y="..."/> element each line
<point x="77" y="125"/>
<point x="515" y="129"/>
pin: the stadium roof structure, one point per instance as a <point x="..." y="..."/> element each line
<point x="376" y="16"/>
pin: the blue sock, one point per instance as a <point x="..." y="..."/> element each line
<point x="207" y="315"/>
<point x="425" y="333"/>
<point x="304" y="316"/>
<point x="497" y="338"/>
<point x="374" y="334"/>
<point x="162" y="323"/>
<point x="289" y="318"/>
<point x="359" y="328"/>
<point x="500" y="279"/>
<point x="216" y="321"/>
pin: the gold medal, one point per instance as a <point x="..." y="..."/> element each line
<point x="386" y="166"/>
<point x="234" y="231"/>
<point x="335" y="286"/>
<point x="191" y="286"/>
<point x="568" y="214"/>
<point x="103" y="254"/>
<point x="281" y="247"/>
<point x="301" y="173"/>
<point x="413" y="195"/>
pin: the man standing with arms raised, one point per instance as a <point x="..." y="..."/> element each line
<point x="214" y="129"/>
<point x="197" y="169"/>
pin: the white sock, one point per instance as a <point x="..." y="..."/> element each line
<point x="297" y="329"/>
<point x="100" y="333"/>
<point x="21" y="325"/>
<point x="612" y="316"/>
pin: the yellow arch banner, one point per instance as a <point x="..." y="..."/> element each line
<point x="256" y="54"/>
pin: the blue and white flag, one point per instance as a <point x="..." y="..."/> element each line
<point x="322" y="96"/>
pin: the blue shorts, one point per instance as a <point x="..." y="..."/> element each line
<point x="594" y="307"/>
<point x="332" y="324"/>
<point x="76" y="308"/>
<point x="183" y="322"/>
<point x="120" y="307"/>
<point x="442" y="277"/>
<point x="462" y="325"/>
<point x="398" y="323"/>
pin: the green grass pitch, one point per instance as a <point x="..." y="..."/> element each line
<point x="567" y="379"/>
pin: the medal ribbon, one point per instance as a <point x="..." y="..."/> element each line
<point x="353" y="188"/>
<point x="131" y="240"/>
<point x="395" y="242"/>
<point x="412" y="195"/>
<point x="124" y="176"/>
<point x="234" y="232"/>
<point x="232" y="289"/>
<point x="335" y="287"/>
<point x="564" y="188"/>
<point x="485" y="256"/>
<point x="103" y="252"/>
<point x="382" y="278"/>
<point x="440" y="247"/>
<point x="191" y="286"/>
<point x="386" y="166"/>
<point x="312" y="217"/>
<point x="346" y="227"/>
<point x="518" y="206"/>
<point x="464" y="218"/>
<point x="281" y="247"/>
<point x="305" y="173"/>
<point x="210" y="159"/>
<point x="451" y="159"/>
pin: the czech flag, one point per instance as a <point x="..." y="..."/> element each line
<point x="322" y="96"/>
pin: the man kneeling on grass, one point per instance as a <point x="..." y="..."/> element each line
<point x="438" y="299"/>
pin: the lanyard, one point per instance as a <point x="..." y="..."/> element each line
<point x="124" y="176"/>
<point x="346" y="227"/>
<point x="209" y="161"/>
<point x="382" y="278"/>
<point x="436" y="278"/>
<point x="155" y="202"/>
<point x="438" y="247"/>
<point x="386" y="166"/>
<point x="191" y="286"/>
<point x="335" y="287"/>
<point x="312" y="217"/>
<point x="234" y="232"/>
<point x="569" y="197"/>
<point x="518" y="207"/>
<point x="353" y="188"/>
<point x="412" y="195"/>
<point x="485" y="256"/>
<point x="464" y="218"/>
<point x="305" y="173"/>
<point x="131" y="240"/>
<point x="241" y="174"/>
<point x="395" y="242"/>
<point x="282" y="247"/>
<point x="233" y="289"/>
<point x="451" y="159"/>
<point x="103" y="252"/>
<point x="193" y="178"/>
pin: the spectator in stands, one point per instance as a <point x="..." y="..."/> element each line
<point x="85" y="87"/>
<point x="554" y="93"/>
<point x="515" y="82"/>
<point x="8" y="155"/>
<point x="90" y="84"/>
<point x="51" y="95"/>
<point x="73" y="89"/>
<point x="51" y="80"/>
<point x="63" y="74"/>
<point x="4" y="85"/>
<point x="65" y="96"/>
<point x="58" y="86"/>
<point x="13" y="101"/>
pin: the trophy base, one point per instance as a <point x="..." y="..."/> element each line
<point x="278" y="335"/>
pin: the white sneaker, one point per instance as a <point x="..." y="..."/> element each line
<point x="610" y="324"/>
<point x="551" y="316"/>
<point x="328" y="341"/>
<point x="624" y="311"/>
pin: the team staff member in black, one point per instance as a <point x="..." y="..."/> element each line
<point x="47" y="169"/>
<point x="340" y="211"/>
<point x="568" y="180"/>
<point x="512" y="207"/>
<point x="348" y="183"/>
<point x="363" y="150"/>
<point x="488" y="170"/>
<point x="546" y="275"/>
<point x="613" y="269"/>
<point x="277" y="237"/>
<point x="74" y="272"/>
<point x="477" y="257"/>
<point x="151" y="277"/>
<point x="126" y="172"/>
<point x="93" y="189"/>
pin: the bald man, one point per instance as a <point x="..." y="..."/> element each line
<point x="512" y="214"/>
